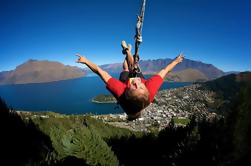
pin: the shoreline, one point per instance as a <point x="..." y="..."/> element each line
<point x="103" y="102"/>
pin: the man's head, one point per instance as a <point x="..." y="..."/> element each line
<point x="137" y="95"/>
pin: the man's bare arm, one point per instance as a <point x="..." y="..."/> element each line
<point x="95" y="68"/>
<point x="170" y="66"/>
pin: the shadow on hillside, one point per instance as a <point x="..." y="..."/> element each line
<point x="22" y="142"/>
<point x="172" y="146"/>
<point x="203" y="143"/>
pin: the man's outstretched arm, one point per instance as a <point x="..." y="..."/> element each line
<point x="95" y="68"/>
<point x="170" y="66"/>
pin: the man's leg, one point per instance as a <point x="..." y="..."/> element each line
<point x="125" y="73"/>
<point x="125" y="65"/>
<point x="129" y="58"/>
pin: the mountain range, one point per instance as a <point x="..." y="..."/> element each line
<point x="35" y="71"/>
<point x="188" y="70"/>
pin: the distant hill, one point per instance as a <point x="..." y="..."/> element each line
<point x="34" y="71"/>
<point x="231" y="72"/>
<point x="187" y="75"/>
<point x="152" y="66"/>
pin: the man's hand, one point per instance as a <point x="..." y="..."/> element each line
<point x="179" y="58"/>
<point x="171" y="65"/>
<point x="103" y="74"/>
<point x="81" y="59"/>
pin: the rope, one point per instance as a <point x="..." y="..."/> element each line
<point x="138" y="37"/>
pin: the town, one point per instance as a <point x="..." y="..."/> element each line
<point x="178" y="103"/>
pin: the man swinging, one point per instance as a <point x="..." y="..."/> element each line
<point x="132" y="93"/>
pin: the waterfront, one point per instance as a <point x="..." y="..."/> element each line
<point x="68" y="97"/>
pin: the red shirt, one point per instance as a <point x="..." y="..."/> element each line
<point x="117" y="88"/>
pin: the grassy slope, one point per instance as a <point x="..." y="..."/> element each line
<point x="80" y="136"/>
<point x="29" y="138"/>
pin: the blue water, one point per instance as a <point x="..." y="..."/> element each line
<point x="68" y="97"/>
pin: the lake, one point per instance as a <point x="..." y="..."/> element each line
<point x="68" y="97"/>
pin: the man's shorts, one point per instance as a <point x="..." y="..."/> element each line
<point x="125" y="75"/>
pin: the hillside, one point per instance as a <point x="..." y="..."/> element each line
<point x="53" y="139"/>
<point x="228" y="87"/>
<point x="187" y="75"/>
<point x="34" y="71"/>
<point x="233" y="95"/>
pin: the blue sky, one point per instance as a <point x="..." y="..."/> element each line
<point x="217" y="32"/>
